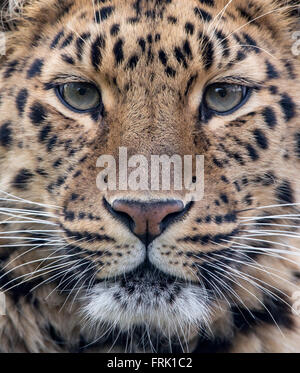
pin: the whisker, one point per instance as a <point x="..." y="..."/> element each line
<point x="270" y="224"/>
<point x="262" y="269"/>
<point x="250" y="293"/>
<point x="261" y="16"/>
<point x="248" y="277"/>
<point x="19" y="199"/>
<point x="44" y="222"/>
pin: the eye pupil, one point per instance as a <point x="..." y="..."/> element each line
<point x="222" y="92"/>
<point x="81" y="91"/>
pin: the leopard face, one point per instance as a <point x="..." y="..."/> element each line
<point x="153" y="76"/>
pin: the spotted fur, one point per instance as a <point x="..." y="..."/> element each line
<point x="224" y="276"/>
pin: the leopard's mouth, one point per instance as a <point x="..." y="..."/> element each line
<point x="148" y="297"/>
<point x="145" y="276"/>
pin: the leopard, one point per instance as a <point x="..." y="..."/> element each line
<point x="91" y="269"/>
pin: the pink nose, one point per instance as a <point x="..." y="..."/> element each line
<point x="148" y="220"/>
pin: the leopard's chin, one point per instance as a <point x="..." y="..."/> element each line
<point x="147" y="297"/>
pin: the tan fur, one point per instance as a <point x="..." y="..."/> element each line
<point x="148" y="112"/>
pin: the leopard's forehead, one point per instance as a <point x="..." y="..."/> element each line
<point x="151" y="40"/>
<point x="158" y="52"/>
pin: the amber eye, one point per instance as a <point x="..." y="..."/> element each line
<point x="80" y="97"/>
<point x="224" y="98"/>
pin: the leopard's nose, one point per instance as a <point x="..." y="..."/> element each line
<point x="147" y="220"/>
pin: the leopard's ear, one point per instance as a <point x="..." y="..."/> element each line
<point x="10" y="12"/>
<point x="22" y="21"/>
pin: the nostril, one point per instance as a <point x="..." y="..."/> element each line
<point x="175" y="216"/>
<point x="127" y="219"/>
<point x="120" y="215"/>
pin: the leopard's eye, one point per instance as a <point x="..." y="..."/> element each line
<point x="224" y="98"/>
<point x="78" y="96"/>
